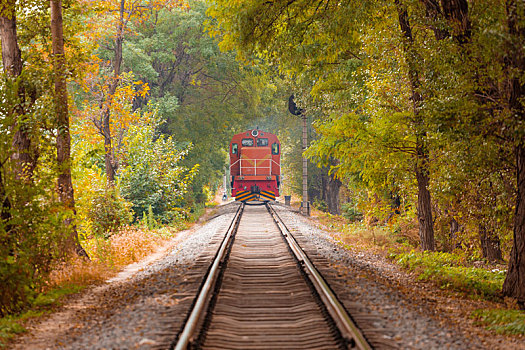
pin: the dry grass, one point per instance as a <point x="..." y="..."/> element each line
<point x="108" y="256"/>
<point x="399" y="233"/>
<point x="408" y="231"/>
<point x="78" y="272"/>
<point x="360" y="234"/>
<point x="131" y="245"/>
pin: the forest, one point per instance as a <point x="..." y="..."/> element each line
<point x="116" y="115"/>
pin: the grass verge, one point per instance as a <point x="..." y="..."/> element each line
<point x="501" y="321"/>
<point x="43" y="303"/>
<point x="9" y="327"/>
<point x="447" y="272"/>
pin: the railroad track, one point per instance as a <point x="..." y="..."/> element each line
<point x="262" y="292"/>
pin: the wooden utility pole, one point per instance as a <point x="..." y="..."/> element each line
<point x="292" y="107"/>
<point x="224" y="185"/>
<point x="305" y="208"/>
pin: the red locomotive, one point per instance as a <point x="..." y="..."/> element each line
<point x="255" y="166"/>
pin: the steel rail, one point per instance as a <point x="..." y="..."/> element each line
<point x="346" y="325"/>
<point x="186" y="336"/>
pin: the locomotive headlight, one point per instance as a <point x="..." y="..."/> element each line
<point x="255" y="132"/>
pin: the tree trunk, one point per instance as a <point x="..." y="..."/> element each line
<point x="23" y="159"/>
<point x="454" y="237"/>
<point x="111" y="164"/>
<point x="331" y="187"/>
<point x="514" y="285"/>
<point x="108" y="149"/>
<point x="6" y="237"/>
<point x="490" y="244"/>
<point x="5" y="204"/>
<point x="64" y="183"/>
<point x="11" y="55"/>
<point x="455" y="12"/>
<point x="424" y="208"/>
<point x="454" y="228"/>
<point x="424" y="211"/>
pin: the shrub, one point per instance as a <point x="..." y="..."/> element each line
<point x="8" y="328"/>
<point x="30" y="239"/>
<point x="350" y="212"/>
<point x="320" y="204"/>
<point x="152" y="177"/>
<point x="109" y="211"/>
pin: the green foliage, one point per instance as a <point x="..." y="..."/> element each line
<point x="15" y="279"/>
<point x="203" y="95"/>
<point x="53" y="296"/>
<point x="351" y="212"/>
<point x="109" y="211"/>
<point x="152" y="178"/>
<point x="502" y="321"/>
<point x="148" y="220"/>
<point x="447" y="271"/>
<point x="320" y="204"/>
<point x="8" y="328"/>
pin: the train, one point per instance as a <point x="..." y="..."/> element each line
<point x="255" y="166"/>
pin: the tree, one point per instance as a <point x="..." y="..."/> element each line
<point x="23" y="156"/>
<point x="514" y="285"/>
<point x="124" y="11"/>
<point x="424" y="207"/>
<point x="285" y="30"/>
<point x="203" y="95"/>
<point x="104" y="123"/>
<point x="152" y="177"/>
<point x="64" y="183"/>
<point x="12" y="65"/>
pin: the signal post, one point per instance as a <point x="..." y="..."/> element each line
<point x="305" y="206"/>
<point x="292" y="107"/>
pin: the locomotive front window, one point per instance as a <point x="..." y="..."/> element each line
<point x="262" y="142"/>
<point x="275" y="148"/>
<point x="234" y="148"/>
<point x="247" y="142"/>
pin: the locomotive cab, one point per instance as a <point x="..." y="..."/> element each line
<point x="255" y="166"/>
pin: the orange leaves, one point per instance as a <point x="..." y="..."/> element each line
<point x="112" y="13"/>
<point x="88" y="120"/>
<point x="90" y="78"/>
<point x="143" y="88"/>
